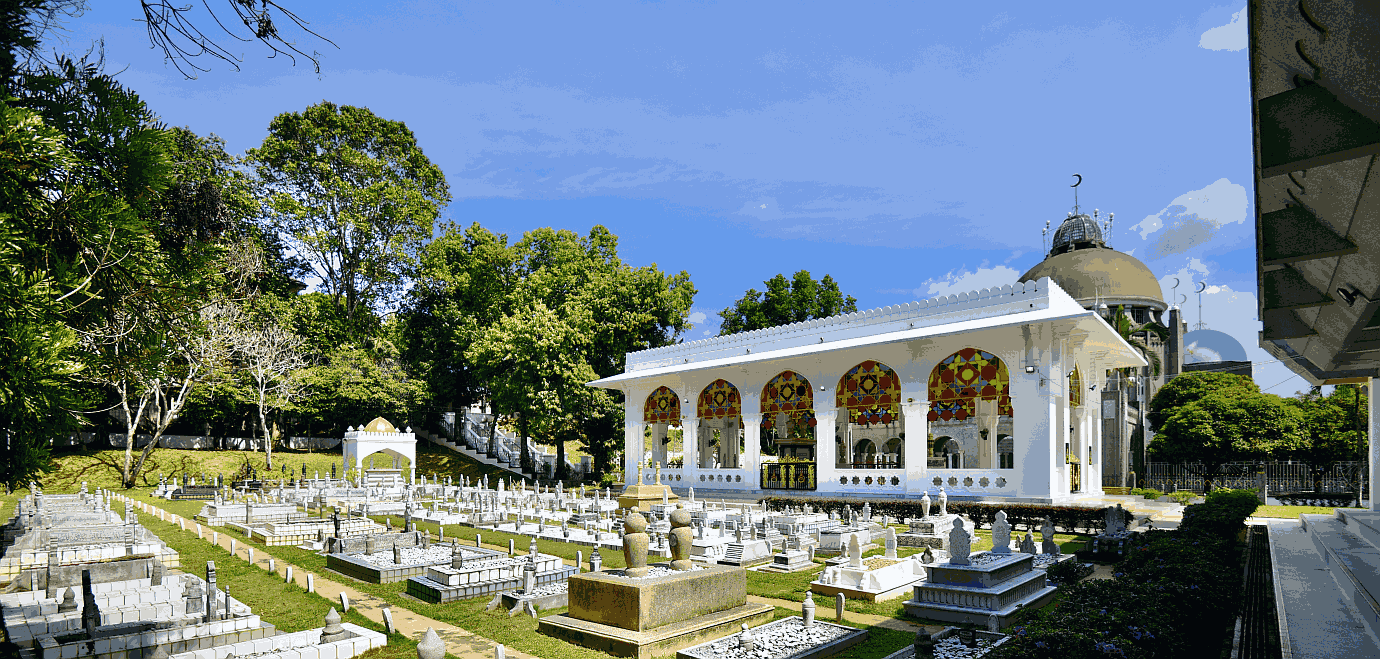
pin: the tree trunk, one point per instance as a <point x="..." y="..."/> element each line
<point x="268" y="438"/>
<point x="561" y="473"/>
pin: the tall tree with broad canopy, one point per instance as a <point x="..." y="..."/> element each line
<point x="784" y="302"/>
<point x="356" y="197"/>
<point x="1227" y="427"/>
<point x="1189" y="387"/>
<point x="574" y="293"/>
<point x="462" y="287"/>
<point x="1329" y="429"/>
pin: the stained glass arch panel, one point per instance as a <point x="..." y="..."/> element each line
<point x="662" y="406"/>
<point x="870" y="392"/>
<point x="789" y="393"/>
<point x="959" y="380"/>
<point x="720" y="400"/>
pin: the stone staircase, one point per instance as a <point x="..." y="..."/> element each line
<point x="733" y="554"/>
<point x="478" y="456"/>
<point x="1327" y="579"/>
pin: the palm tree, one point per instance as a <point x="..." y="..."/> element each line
<point x="1125" y="328"/>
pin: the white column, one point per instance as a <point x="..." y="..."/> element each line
<point x="690" y="441"/>
<point x="729" y="438"/>
<point x="917" y="423"/>
<point x="752" y="438"/>
<point x="1374" y="444"/>
<point x="632" y="446"/>
<point x="826" y="474"/>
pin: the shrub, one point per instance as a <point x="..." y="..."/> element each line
<point x="1067" y="519"/>
<point x="1098" y="619"/>
<point x="1182" y="498"/>
<point x="1222" y="515"/>
<point x="1149" y="493"/>
<point x="1324" y="499"/>
<point x="1066" y="573"/>
<point x="608" y="480"/>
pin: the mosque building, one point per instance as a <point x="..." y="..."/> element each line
<point x="1010" y="393"/>
<point x="1109" y="282"/>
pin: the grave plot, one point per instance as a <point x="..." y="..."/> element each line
<point x="789" y="638"/>
<point x="466" y="577"/>
<point x="247" y="514"/>
<point x="873" y="579"/>
<point x="82" y="603"/>
<point x="52" y="535"/>
<point x="390" y="557"/>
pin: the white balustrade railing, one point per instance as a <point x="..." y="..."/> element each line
<point x="959" y="481"/>
<point x="863" y="480"/>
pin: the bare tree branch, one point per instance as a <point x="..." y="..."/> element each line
<point x="171" y="28"/>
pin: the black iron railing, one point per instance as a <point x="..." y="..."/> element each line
<point x="788" y="476"/>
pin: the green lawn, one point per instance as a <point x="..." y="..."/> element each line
<point x="101" y="468"/>
<point x="1292" y="512"/>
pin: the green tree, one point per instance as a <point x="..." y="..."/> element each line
<point x="1193" y="386"/>
<point x="354" y="385"/>
<point x="38" y="358"/>
<point x="1138" y="337"/>
<point x="799" y="299"/>
<point x="461" y="290"/>
<point x="1328" y="430"/>
<point x="356" y="197"/>
<point x="575" y="296"/>
<point x="1227" y="427"/>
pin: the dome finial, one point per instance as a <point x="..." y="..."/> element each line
<point x="1075" y="193"/>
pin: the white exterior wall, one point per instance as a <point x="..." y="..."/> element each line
<point x="1060" y="330"/>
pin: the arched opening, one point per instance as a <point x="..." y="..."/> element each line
<point x="970" y="400"/>
<point x="719" y="437"/>
<point x="788" y="415"/>
<point x="865" y="452"/>
<point x="659" y="414"/>
<point x="868" y="398"/>
<point x="951" y="453"/>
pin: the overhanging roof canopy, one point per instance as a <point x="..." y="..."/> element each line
<point x="1008" y="307"/>
<point x="1315" y="89"/>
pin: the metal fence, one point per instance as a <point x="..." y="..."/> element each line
<point x="1279" y="477"/>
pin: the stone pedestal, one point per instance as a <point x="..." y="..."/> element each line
<point x="932" y="531"/>
<point x="791" y="560"/>
<point x="642" y="497"/>
<point x="654" y="617"/>
<point x="994" y="584"/>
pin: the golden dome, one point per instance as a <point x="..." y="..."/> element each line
<point x="1100" y="274"/>
<point x="379" y="424"/>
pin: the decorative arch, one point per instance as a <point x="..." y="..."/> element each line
<point x="963" y="377"/>
<point x="662" y="406"/>
<point x="1075" y="387"/>
<point x="789" y="393"/>
<point x="720" y="400"/>
<point x="870" y="392"/>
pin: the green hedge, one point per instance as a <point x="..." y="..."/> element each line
<point x="1028" y="517"/>
<point x="1174" y="591"/>
<point x="1223" y="514"/>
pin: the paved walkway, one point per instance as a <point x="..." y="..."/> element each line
<point x="1317" y="622"/>
<point x="459" y="642"/>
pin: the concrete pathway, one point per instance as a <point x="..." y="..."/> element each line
<point x="1316" y="621"/>
<point x="459" y="642"/>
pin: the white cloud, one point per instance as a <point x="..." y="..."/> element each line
<point x="1231" y="36"/>
<point x="697" y="317"/>
<point x="1193" y="218"/>
<point x="965" y="282"/>
<point x="1234" y="313"/>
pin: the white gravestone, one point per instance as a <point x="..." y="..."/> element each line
<point x="1001" y="534"/>
<point x="959" y="544"/>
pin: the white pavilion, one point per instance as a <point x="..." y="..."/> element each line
<point x="988" y="394"/>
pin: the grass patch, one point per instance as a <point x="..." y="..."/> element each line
<point x="1292" y="512"/>
<point x="101" y="468"/>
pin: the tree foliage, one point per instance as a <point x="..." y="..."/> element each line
<point x="1227" y="427"/>
<point x="356" y="197"/>
<point x="1189" y="387"/>
<point x="1329" y="429"/>
<point x="786" y="301"/>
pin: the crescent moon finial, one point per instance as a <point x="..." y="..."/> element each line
<point x="1080" y="181"/>
<point x="1203" y="286"/>
<point x="1183" y="298"/>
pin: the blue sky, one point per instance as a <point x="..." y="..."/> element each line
<point x="908" y="149"/>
